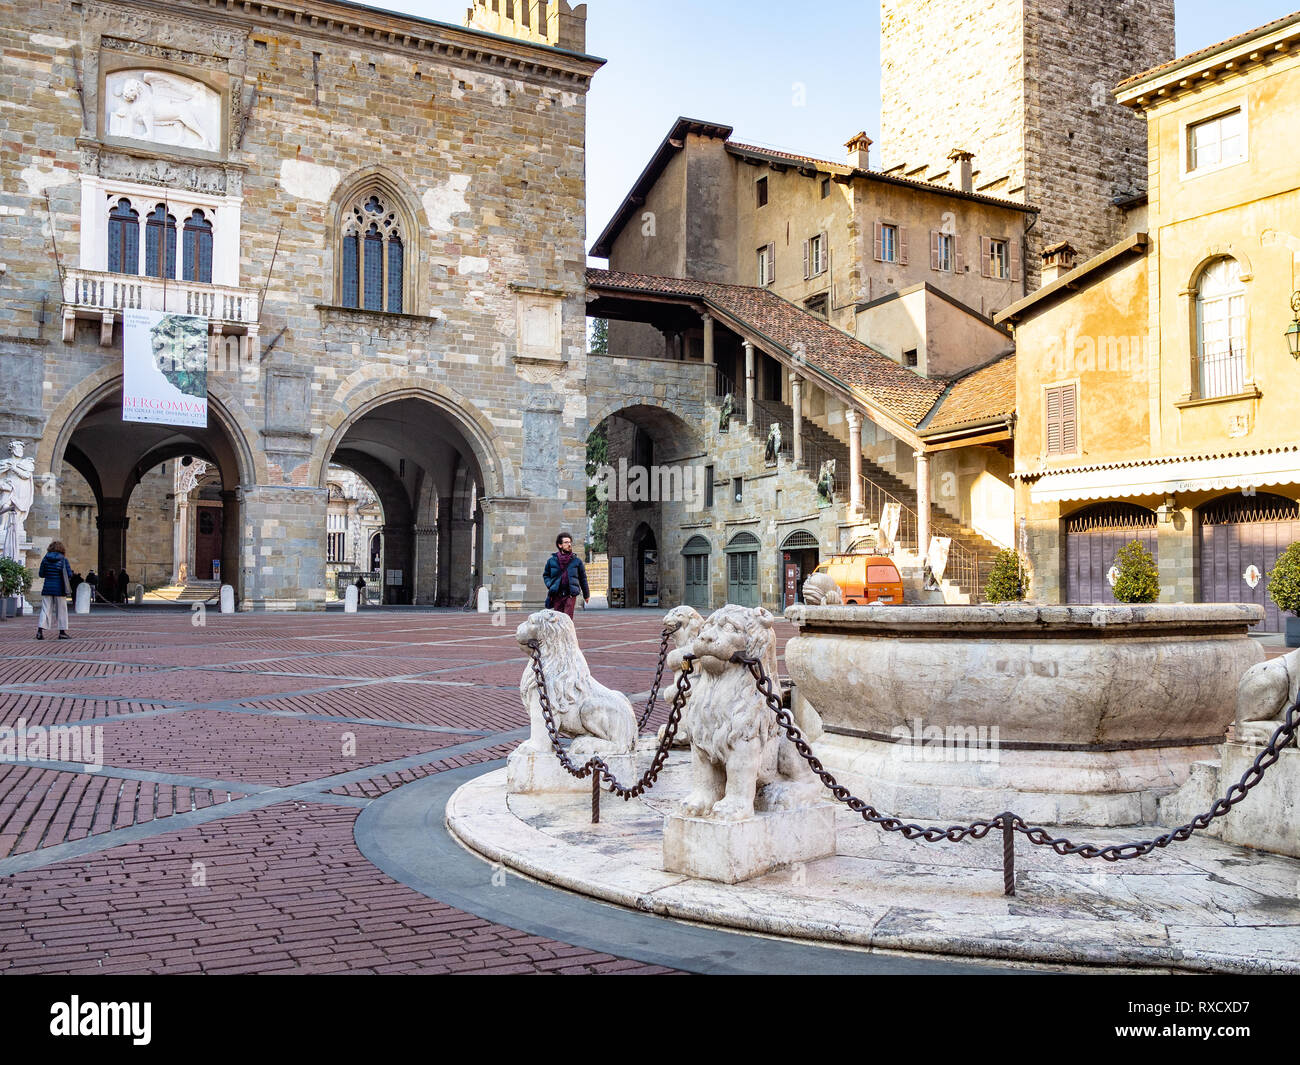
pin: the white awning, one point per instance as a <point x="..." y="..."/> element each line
<point x="1161" y="479"/>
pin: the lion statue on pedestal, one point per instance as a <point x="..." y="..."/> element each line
<point x="737" y="747"/>
<point x="602" y="720"/>
<point x="820" y="589"/>
<point x="1266" y="692"/>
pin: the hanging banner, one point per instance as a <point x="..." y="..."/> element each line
<point x="890" y="514"/>
<point x="937" y="557"/>
<point x="164" y="368"/>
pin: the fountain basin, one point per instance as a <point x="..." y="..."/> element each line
<point x="1065" y="714"/>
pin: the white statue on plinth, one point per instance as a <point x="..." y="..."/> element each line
<point x="1266" y="692"/>
<point x="17" y="490"/>
<point x="737" y="746"/>
<point x="683" y="624"/>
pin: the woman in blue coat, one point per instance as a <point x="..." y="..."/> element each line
<point x="55" y="591"/>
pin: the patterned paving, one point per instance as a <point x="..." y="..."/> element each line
<point x="237" y="755"/>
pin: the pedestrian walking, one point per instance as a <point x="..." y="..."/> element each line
<point x="361" y="592"/>
<point x="55" y="591"/>
<point x="565" y="577"/>
<point x="123" y="583"/>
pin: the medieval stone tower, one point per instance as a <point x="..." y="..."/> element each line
<point x="1026" y="86"/>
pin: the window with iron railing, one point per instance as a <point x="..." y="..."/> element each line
<point x="1221" y="331"/>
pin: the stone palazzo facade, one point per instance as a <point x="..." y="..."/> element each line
<point x="381" y="219"/>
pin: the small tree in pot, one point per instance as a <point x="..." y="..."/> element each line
<point x="15" y="578"/>
<point x="1138" y="580"/>
<point x="1008" y="582"/>
<point x="1284" y="590"/>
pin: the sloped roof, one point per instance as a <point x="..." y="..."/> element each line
<point x="982" y="396"/>
<point x="856" y="366"/>
<point x="1210" y="50"/>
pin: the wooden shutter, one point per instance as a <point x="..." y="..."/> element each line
<point x="771" y="262"/>
<point x="880" y="252"/>
<point x="902" y="245"/>
<point x="807" y="265"/>
<point x="958" y="261"/>
<point x="1053" y="420"/>
<point x="935" y="236"/>
<point x="824" y="264"/>
<point x="1014" y="246"/>
<point x="1069" y="420"/>
<point x="986" y="256"/>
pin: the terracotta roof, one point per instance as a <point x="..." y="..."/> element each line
<point x="878" y="378"/>
<point x="1209" y="50"/>
<point x="984" y="395"/>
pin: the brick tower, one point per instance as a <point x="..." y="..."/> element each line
<point x="1026" y="86"/>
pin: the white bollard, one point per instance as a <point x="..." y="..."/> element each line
<point x="139" y="595"/>
<point x="227" y="599"/>
<point x="484" y="600"/>
<point x="350" y="599"/>
<point x="82" y="605"/>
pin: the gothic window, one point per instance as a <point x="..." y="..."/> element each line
<point x="160" y="243"/>
<point x="373" y="256"/>
<point x="198" y="248"/>
<point x="123" y="238"/>
<point x="1221" y="330"/>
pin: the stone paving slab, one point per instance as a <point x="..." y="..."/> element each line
<point x="1171" y="911"/>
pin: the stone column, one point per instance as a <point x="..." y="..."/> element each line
<point x="231" y="537"/>
<point x="444" y="552"/>
<point x="796" y="402"/>
<point x="426" y="564"/>
<point x="461" y="561"/>
<point x="708" y="339"/>
<point x="112" y="522"/>
<point x="922" y="503"/>
<point x="181" y="539"/>
<point x="399" y="542"/>
<point x="749" y="382"/>
<point x="854" y="419"/>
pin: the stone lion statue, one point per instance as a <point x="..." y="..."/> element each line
<point x="737" y="747"/>
<point x="1266" y="692"/>
<point x="820" y="589"/>
<point x="684" y="623"/>
<point x="602" y="721"/>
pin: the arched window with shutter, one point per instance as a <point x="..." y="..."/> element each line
<point x="160" y="243"/>
<point x="123" y="238"/>
<point x="198" y="248"/>
<point x="1221" y="330"/>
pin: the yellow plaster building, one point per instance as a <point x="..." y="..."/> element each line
<point x="1156" y="390"/>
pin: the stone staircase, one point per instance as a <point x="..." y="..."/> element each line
<point x="189" y="592"/>
<point x="824" y="446"/>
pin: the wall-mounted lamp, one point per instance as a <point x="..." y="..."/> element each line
<point x="1293" y="330"/>
<point x="1165" y="513"/>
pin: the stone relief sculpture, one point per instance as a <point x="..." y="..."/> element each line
<point x="602" y="720"/>
<point x="826" y="484"/>
<point x="17" y="490"/>
<point x="738" y="753"/>
<point x="684" y="622"/>
<point x="165" y="108"/>
<point x="820" y="589"/>
<point x="724" y="417"/>
<point x="1266" y="692"/>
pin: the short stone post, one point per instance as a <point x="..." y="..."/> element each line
<point x="82" y="604"/>
<point x="350" y="599"/>
<point x="484" y="600"/>
<point x="138" y="597"/>
<point x="227" y="599"/>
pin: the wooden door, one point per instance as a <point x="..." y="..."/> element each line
<point x="1093" y="539"/>
<point x="207" y="543"/>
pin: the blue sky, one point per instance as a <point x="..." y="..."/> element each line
<point x="738" y="63"/>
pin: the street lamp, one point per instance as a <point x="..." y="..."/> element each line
<point x="1293" y="330"/>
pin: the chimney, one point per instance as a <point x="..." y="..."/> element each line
<point x="859" y="147"/>
<point x="1057" y="260"/>
<point x="965" y="172"/>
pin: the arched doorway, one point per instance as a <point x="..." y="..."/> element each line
<point x="166" y="500"/>
<point x="1093" y="537"/>
<point x="742" y="570"/>
<point x="799" y="556"/>
<point x="1241" y="538"/>
<point x="695" y="559"/>
<point x="428" y="483"/>
<point x="647" y="566"/>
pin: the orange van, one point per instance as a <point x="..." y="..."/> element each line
<point x="865" y="578"/>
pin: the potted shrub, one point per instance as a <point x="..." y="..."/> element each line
<point x="15" y="579"/>
<point x="1284" y="590"/>
<point x="1008" y="581"/>
<point x="1138" y="580"/>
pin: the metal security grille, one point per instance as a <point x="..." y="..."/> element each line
<point x="1240" y="532"/>
<point x="799" y="541"/>
<point x="1093" y="539"/>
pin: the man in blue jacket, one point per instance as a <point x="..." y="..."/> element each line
<point x="55" y="591"/>
<point x="565" y="576"/>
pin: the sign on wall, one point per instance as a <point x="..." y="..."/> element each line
<point x="164" y="368"/>
<point x="616" y="571"/>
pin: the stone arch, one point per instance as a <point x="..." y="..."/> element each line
<point x="662" y="420"/>
<point x="393" y="188"/>
<point x="499" y="475"/>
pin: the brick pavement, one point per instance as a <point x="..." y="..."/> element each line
<point x="186" y="853"/>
